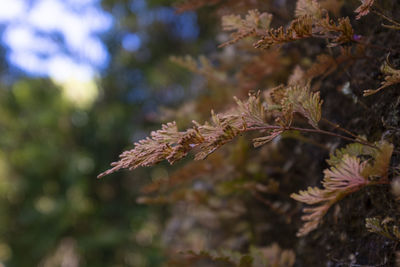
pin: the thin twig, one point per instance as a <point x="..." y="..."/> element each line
<point x="393" y="27"/>
<point x="337" y="126"/>
<point x="309" y="130"/>
<point x="385" y="17"/>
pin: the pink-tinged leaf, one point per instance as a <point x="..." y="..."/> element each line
<point x="364" y="8"/>
<point x="347" y="175"/>
<point x="266" y="139"/>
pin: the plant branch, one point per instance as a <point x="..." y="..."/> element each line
<point x="309" y="130"/>
<point x="337" y="126"/>
<point x="385" y="17"/>
<point x="394" y="27"/>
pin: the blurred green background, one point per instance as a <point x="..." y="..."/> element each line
<point x="79" y="82"/>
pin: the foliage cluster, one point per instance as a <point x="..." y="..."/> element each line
<point x="303" y="80"/>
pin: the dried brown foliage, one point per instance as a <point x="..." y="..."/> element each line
<point x="364" y="8"/>
<point x="308" y="8"/>
<point x="299" y="28"/>
<point x="254" y="23"/>
<point x="392" y="76"/>
<point x="201" y="66"/>
<point x="231" y="184"/>
<point x="346" y="175"/>
<point x="307" y="26"/>
<point x="172" y="145"/>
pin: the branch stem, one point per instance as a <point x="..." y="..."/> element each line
<point x="309" y="130"/>
<point x="337" y="126"/>
<point x="385" y="17"/>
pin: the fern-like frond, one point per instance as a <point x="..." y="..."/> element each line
<point x="346" y="175"/>
<point x="172" y="145"/>
<point x="392" y="76"/>
<point x="251" y="115"/>
<point x="380" y="159"/>
<point x="384" y="227"/>
<point x="308" y="8"/>
<point x="311" y="196"/>
<point x="353" y="150"/>
<point x="308" y="26"/>
<point x="201" y="66"/>
<point x="296" y="98"/>
<point x="364" y="8"/>
<point x="251" y="25"/>
<point x="252" y="111"/>
<point x="260" y="141"/>
<point x="300" y="99"/>
<point x="299" y="28"/>
<point x="339" y="32"/>
<point x="378" y="168"/>
<point x="338" y="182"/>
<point x="312" y="217"/>
<point x="225" y="127"/>
<point x="148" y="151"/>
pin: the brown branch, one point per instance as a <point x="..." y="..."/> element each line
<point x="337" y="126"/>
<point x="385" y="17"/>
<point x="393" y="27"/>
<point x="309" y="130"/>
